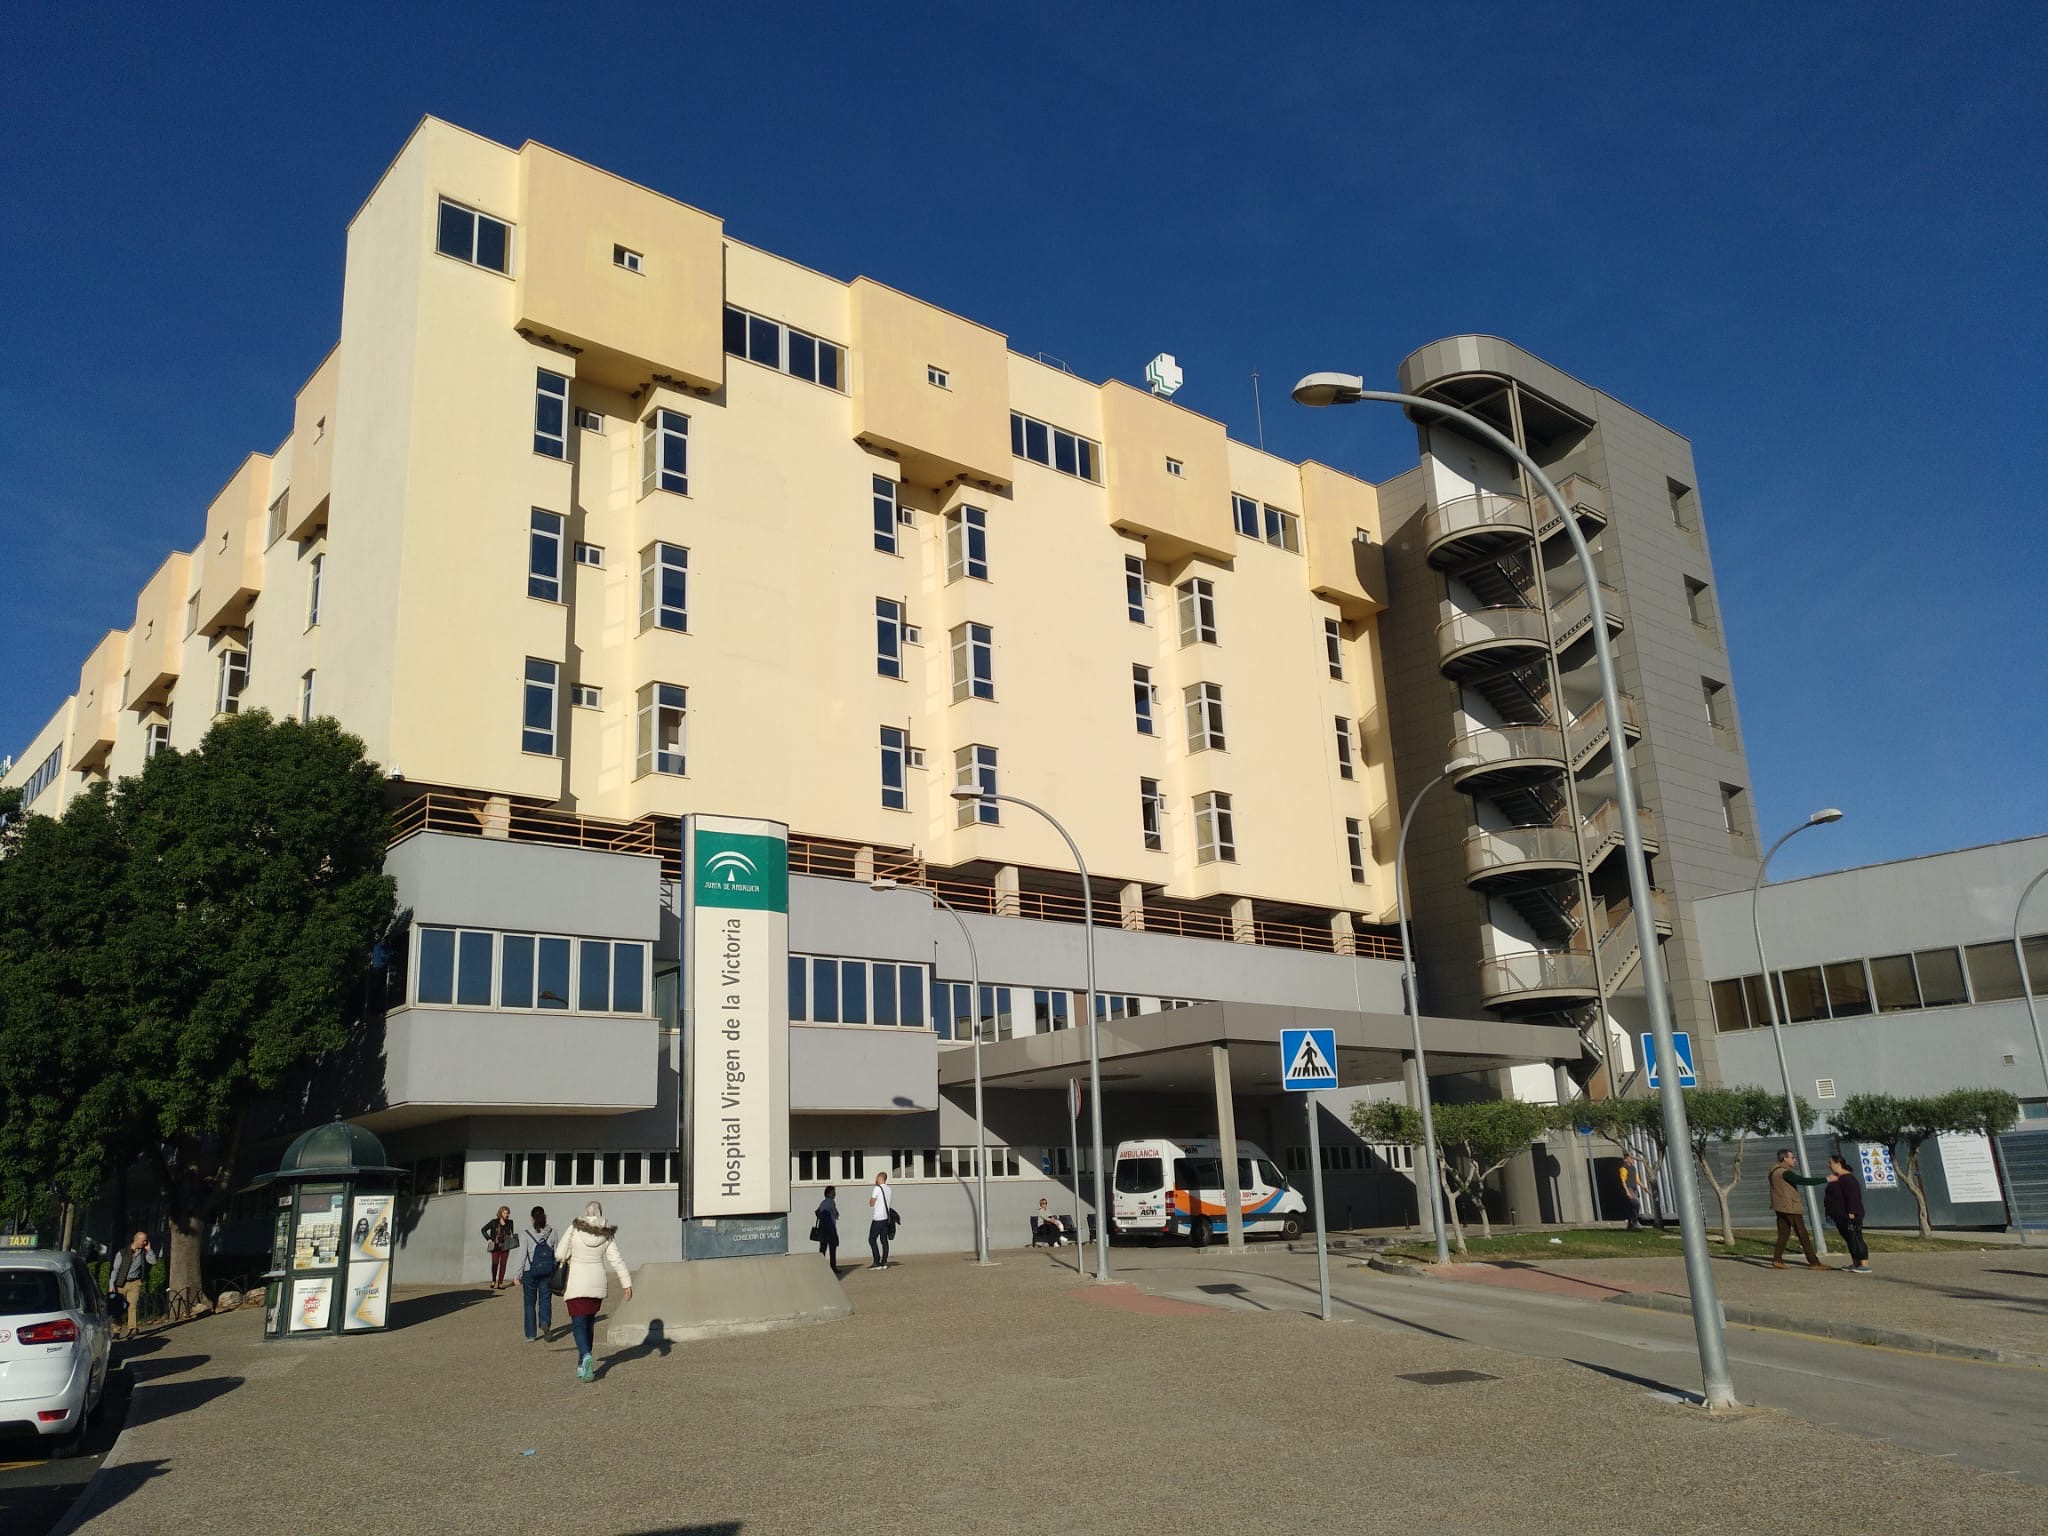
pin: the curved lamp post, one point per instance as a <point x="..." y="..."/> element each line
<point x="2019" y="955"/>
<point x="1433" y="1178"/>
<point x="974" y="793"/>
<point x="974" y="1007"/>
<point x="1819" y="818"/>
<point x="1717" y="1387"/>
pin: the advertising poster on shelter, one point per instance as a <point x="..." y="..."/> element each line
<point x="367" y="1298"/>
<point x="319" y="1241"/>
<point x="311" y="1297"/>
<point x="369" y="1238"/>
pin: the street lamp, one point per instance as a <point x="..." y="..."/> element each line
<point x="980" y="1125"/>
<point x="1717" y="1387"/>
<point x="2019" y="955"/>
<point x="985" y="796"/>
<point x="1819" y="818"/>
<point x="1436" y="1191"/>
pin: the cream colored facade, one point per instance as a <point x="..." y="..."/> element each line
<point x="407" y="485"/>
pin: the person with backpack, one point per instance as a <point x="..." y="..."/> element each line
<point x="588" y="1250"/>
<point x="537" y="1264"/>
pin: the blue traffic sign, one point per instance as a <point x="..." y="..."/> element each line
<point x="1308" y="1059"/>
<point x="1687" y="1077"/>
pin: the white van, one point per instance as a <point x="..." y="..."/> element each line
<point x="1154" y="1179"/>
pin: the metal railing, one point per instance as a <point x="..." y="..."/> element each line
<point x="1488" y="850"/>
<point x="1603" y="827"/>
<point x="1543" y="970"/>
<point x="1461" y="630"/>
<point x="1537" y="745"/>
<point x="1589" y="728"/>
<point x="1588" y="498"/>
<point x="1573" y="613"/>
<point x="1480" y="512"/>
<point x="486" y="816"/>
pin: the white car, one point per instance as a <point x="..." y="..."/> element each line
<point x="55" y="1338"/>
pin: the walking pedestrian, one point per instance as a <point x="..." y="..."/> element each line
<point x="500" y="1238"/>
<point x="589" y="1251"/>
<point x="537" y="1261"/>
<point x="1844" y="1203"/>
<point x="825" y="1230"/>
<point x="1632" y="1191"/>
<point x="881" y="1222"/>
<point x="1785" y="1182"/>
<point x="131" y="1267"/>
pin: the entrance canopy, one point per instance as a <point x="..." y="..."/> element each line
<point x="1171" y="1051"/>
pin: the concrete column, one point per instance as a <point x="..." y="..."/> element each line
<point x="1424" y="1167"/>
<point x="496" y="817"/>
<point x="1007" y="902"/>
<point x="1226" y="1139"/>
<point x="1342" y="936"/>
<point x="1576" y="1179"/>
<point x="1131" y="903"/>
<point x="864" y="864"/>
<point x="1242" y="923"/>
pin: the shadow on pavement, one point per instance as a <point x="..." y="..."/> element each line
<point x="1648" y="1383"/>
<point x="657" y="1342"/>
<point x="114" y="1485"/>
<point x="167" y="1365"/>
<point x="411" y="1311"/>
<point x="723" y="1528"/>
<point x="175" y="1397"/>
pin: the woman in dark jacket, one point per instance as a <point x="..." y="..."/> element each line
<point x="1844" y="1202"/>
<point x="828" y="1227"/>
<point x="500" y="1238"/>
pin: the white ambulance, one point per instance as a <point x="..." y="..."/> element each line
<point x="1162" y="1188"/>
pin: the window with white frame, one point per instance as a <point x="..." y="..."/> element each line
<point x="937" y="376"/>
<point x="888" y="637"/>
<point x="306" y="679"/>
<point x="275" y="530"/>
<point x="784" y="348"/>
<point x="626" y="257"/>
<point x="665" y="588"/>
<point x="917" y="1165"/>
<point x="192" y="615"/>
<point x="1283" y="530"/>
<point x="1197" y="596"/>
<point x="1354" y="847"/>
<point x="1144" y="697"/>
<point x="665" y="453"/>
<point x="1054" y="447"/>
<point x="885" y="514"/>
<point x="953" y="1011"/>
<point x="815" y="1167"/>
<point x="1333" y="647"/>
<point x="590" y="554"/>
<point x="550" y="414"/>
<point x="544" y="557"/>
<point x="1205" y="716"/>
<point x="232" y="680"/>
<point x="538" y="972"/>
<point x="1152" y="814"/>
<point x="537" y="722"/>
<point x="1346" y="769"/>
<point x="1134" y="588"/>
<point x="1215" y="835"/>
<point x="156" y="737"/>
<point x="1052" y="1008"/>
<point x="838" y="989"/>
<point x="895" y="762"/>
<point x="974" y="767"/>
<point x="627" y="1169"/>
<point x="474" y="237"/>
<point x="588" y="420"/>
<point x="1244" y="513"/>
<point x="585" y="696"/>
<point x="316" y="573"/>
<point x="663" y="723"/>
<point x="974" y="662"/>
<point x="46" y="774"/>
<point x="1115" y="1005"/>
<point x="966" y="544"/>
<point x="1175" y="468"/>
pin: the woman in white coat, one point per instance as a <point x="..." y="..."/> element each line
<point x="587" y="1250"/>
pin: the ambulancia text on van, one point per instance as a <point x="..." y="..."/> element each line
<point x="1164" y="1187"/>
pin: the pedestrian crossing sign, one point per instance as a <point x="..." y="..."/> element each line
<point x="1681" y="1040"/>
<point x="1308" y="1059"/>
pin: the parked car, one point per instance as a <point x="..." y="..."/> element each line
<point x="55" y="1339"/>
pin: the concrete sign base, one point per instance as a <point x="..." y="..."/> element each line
<point x="737" y="1295"/>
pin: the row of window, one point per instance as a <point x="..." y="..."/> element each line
<point x="826" y="989"/>
<point x="481" y="968"/>
<point x="587" y="1170"/>
<point x="1924" y="978"/>
<point x="784" y="348"/>
<point x="44" y="776"/>
<point x="1280" y="529"/>
<point x="1345" y="1157"/>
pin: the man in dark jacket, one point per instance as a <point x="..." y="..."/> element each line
<point x="1844" y="1202"/>
<point x="1784" y="1183"/>
<point x="130" y="1269"/>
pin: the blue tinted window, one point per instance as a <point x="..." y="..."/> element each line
<point x="629" y="978"/>
<point x="554" y="973"/>
<point x="437" y="965"/>
<point x="1017" y="434"/>
<point x="473" y="970"/>
<point x="1063" y="453"/>
<point x="799" y="973"/>
<point x="853" y="992"/>
<point x="594" y="984"/>
<point x="885" y="994"/>
<point x="825" y="991"/>
<point x="515" y="981"/>
<point x="1036" y="441"/>
<point x="458" y="231"/>
<point x="910" y="984"/>
<point x="490" y="244"/>
<point x="735" y="331"/>
<point x="803" y="356"/>
<point x="764" y="341"/>
<point x="828" y="365"/>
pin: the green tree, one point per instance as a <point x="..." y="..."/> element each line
<point x="1473" y="1142"/>
<point x="1894" y="1123"/>
<point x="1631" y="1125"/>
<point x="1734" y="1115"/>
<point x="228" y="945"/>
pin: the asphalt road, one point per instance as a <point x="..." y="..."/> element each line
<point x="35" y="1490"/>
<point x="1983" y="1415"/>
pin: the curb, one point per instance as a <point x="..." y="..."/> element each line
<point x="77" y="1514"/>
<point x="1388" y="1266"/>
<point x="1847" y="1333"/>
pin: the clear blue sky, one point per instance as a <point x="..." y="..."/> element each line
<point x="1808" y="237"/>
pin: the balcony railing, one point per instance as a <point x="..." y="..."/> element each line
<point x="1620" y="946"/>
<point x="1574" y="614"/>
<point x="1588" y="729"/>
<point x="1461" y="633"/>
<point x="1488" y="516"/>
<point x="1536" y="747"/>
<point x="1490" y="852"/>
<point x="488" y="816"/>
<point x="1587" y="498"/>
<point x="1602" y="829"/>
<point x="1551" y="973"/>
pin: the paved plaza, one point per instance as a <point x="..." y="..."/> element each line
<point x="1204" y="1397"/>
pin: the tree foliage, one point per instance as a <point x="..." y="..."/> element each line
<point x="182" y="946"/>
<point x="1734" y="1115"/>
<point x="1473" y="1142"/>
<point x="1896" y="1124"/>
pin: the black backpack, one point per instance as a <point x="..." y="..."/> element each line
<point x="541" y="1262"/>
